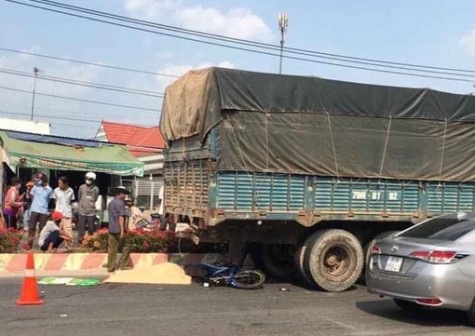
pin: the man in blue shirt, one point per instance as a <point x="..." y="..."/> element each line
<point x="41" y="195"/>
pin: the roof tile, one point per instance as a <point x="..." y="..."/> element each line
<point x="135" y="137"/>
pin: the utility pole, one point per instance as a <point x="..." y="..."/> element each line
<point x="35" y="71"/>
<point x="283" y="25"/>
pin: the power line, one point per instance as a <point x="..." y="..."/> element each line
<point x="336" y="57"/>
<point x="304" y="52"/>
<point x="144" y="149"/>
<point x="61" y="125"/>
<point x="79" y="99"/>
<point x="50" y="116"/>
<point x="60" y="118"/>
<point x="71" y="112"/>
<point x="86" y="84"/>
<point x="256" y="43"/>
<point x="108" y="66"/>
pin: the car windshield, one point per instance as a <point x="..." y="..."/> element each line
<point x="449" y="227"/>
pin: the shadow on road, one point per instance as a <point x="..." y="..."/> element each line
<point x="430" y="317"/>
<point x="299" y="283"/>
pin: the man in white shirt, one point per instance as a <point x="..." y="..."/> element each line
<point x="51" y="236"/>
<point x="64" y="196"/>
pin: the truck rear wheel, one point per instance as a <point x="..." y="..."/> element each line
<point x="333" y="260"/>
<point x="299" y="264"/>
<point x="278" y="260"/>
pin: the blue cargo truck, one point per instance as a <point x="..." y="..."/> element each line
<point x="307" y="171"/>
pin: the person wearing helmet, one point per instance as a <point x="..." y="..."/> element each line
<point x="41" y="195"/>
<point x="51" y="236"/>
<point x="87" y="197"/>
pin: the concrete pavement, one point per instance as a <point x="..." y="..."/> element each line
<point x="90" y="262"/>
<point x="195" y="310"/>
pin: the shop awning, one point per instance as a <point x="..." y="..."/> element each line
<point x="26" y="150"/>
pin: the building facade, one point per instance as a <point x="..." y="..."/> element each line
<point x="28" y="126"/>
<point x="146" y="144"/>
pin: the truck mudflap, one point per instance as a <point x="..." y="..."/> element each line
<point x="217" y="216"/>
<point x="308" y="218"/>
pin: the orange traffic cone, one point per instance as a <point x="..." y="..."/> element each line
<point x="29" y="292"/>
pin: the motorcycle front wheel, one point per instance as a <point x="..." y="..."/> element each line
<point x="248" y="279"/>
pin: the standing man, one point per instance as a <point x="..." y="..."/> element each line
<point x="87" y="198"/>
<point x="27" y="207"/>
<point x="64" y="196"/>
<point x="117" y="232"/>
<point x="41" y="195"/>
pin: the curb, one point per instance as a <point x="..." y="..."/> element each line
<point x="15" y="263"/>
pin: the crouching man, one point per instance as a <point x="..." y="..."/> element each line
<point x="51" y="236"/>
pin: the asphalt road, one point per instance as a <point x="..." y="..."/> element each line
<point x="195" y="310"/>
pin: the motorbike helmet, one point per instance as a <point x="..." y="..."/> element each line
<point x="56" y="216"/>
<point x="91" y="176"/>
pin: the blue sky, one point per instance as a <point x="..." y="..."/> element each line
<point x="423" y="32"/>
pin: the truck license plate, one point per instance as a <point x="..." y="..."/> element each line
<point x="394" y="264"/>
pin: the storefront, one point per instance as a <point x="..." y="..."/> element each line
<point x="23" y="154"/>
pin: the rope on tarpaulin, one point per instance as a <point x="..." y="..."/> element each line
<point x="333" y="145"/>
<point x="443" y="150"/>
<point x="255" y="190"/>
<point x="439" y="185"/>
<point x="266" y="117"/>
<point x="239" y="149"/>
<point x="385" y="149"/>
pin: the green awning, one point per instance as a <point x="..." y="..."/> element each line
<point x="102" y="158"/>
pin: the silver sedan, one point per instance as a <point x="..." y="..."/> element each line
<point x="430" y="264"/>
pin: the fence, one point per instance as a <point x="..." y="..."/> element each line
<point x="147" y="193"/>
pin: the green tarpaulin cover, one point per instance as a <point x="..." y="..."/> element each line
<point x="107" y="158"/>
<point x="314" y="126"/>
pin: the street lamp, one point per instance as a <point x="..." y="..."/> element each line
<point x="35" y="71"/>
<point x="283" y="25"/>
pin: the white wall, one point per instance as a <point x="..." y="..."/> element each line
<point x="101" y="134"/>
<point x="25" y="126"/>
